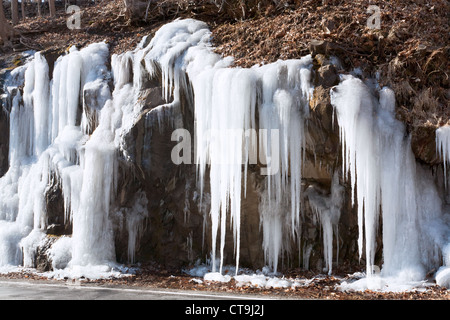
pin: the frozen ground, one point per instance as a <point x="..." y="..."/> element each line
<point x="296" y="285"/>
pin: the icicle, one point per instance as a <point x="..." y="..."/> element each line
<point x="354" y="107"/>
<point x="41" y="104"/>
<point x="328" y="211"/>
<point x="285" y="90"/>
<point x="135" y="217"/>
<point x="443" y="148"/>
<point x="384" y="174"/>
<point x="225" y="104"/>
<point x="93" y="241"/>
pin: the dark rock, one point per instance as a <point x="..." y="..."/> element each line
<point x="423" y="144"/>
<point x="95" y="95"/>
<point x="327" y="76"/>
<point x="319" y="47"/>
<point x="43" y="263"/>
<point x="56" y="220"/>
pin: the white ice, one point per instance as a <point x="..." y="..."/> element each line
<point x="387" y="181"/>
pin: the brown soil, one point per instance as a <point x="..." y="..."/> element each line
<point x="410" y="50"/>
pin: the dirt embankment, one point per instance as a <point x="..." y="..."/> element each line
<point x="407" y="48"/>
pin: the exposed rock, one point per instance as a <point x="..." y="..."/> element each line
<point x="43" y="262"/>
<point x="95" y="94"/>
<point x="319" y="47"/>
<point x="423" y="144"/>
<point x="327" y="76"/>
<point x="56" y="220"/>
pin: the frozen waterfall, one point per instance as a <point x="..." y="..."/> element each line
<point x="49" y="141"/>
<point x="387" y="181"/>
<point x="242" y="117"/>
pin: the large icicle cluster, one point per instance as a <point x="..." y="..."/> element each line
<point x="386" y="180"/>
<point x="443" y="151"/>
<point x="226" y="101"/>
<point x="443" y="147"/>
<point x="50" y="145"/>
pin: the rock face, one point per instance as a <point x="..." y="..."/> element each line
<point x="176" y="231"/>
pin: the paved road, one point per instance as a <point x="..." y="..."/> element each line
<point x="37" y="290"/>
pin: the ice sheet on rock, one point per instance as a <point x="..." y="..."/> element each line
<point x="67" y="128"/>
<point x="168" y="47"/>
<point x="328" y="211"/>
<point x="47" y="144"/>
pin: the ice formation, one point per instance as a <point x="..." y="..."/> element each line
<point x="50" y="144"/>
<point x="443" y="150"/>
<point x="227" y="141"/>
<point x="226" y="137"/>
<point x="386" y="180"/>
<point x="328" y="211"/>
<point x="443" y="147"/>
<point x="263" y="279"/>
<point x="78" y="147"/>
<point x="67" y="129"/>
<point x="226" y="132"/>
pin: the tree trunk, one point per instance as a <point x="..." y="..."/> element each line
<point x="135" y="9"/>
<point x="51" y="4"/>
<point x="24" y="14"/>
<point x="15" y="12"/>
<point x="4" y="30"/>
<point x="38" y="2"/>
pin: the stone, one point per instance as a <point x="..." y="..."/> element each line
<point x="327" y="76"/>
<point x="319" y="47"/>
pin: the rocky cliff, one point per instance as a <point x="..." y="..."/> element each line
<point x="157" y="210"/>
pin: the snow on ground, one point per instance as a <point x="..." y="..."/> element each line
<point x="80" y="273"/>
<point x="264" y="279"/>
